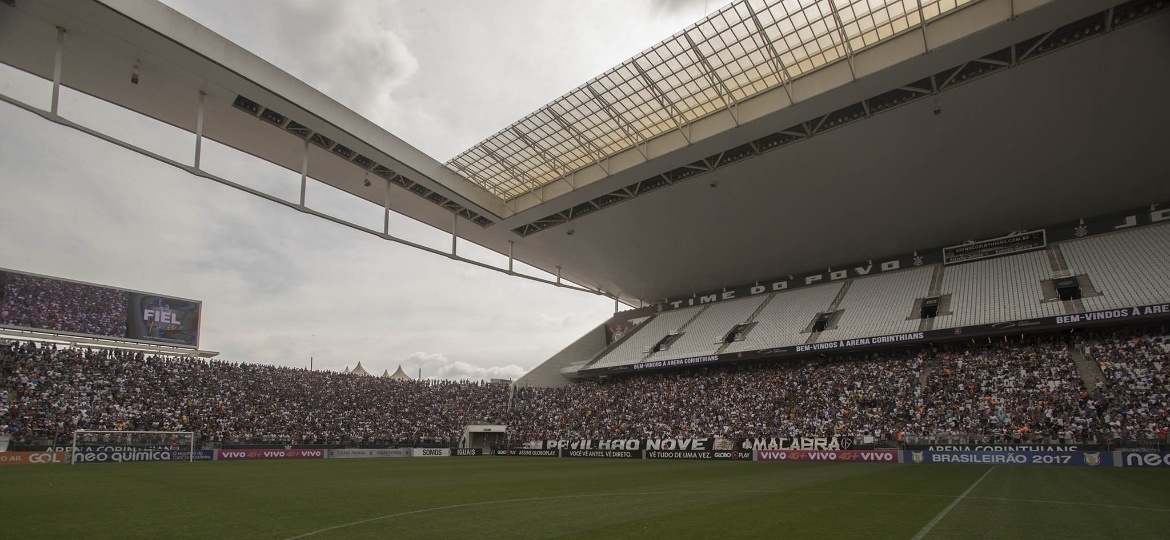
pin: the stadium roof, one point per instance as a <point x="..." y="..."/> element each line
<point x="744" y="49"/>
<point x="825" y="132"/>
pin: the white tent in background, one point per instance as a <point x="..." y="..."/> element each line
<point x="385" y="374"/>
<point x="359" y="370"/>
<point x="345" y="371"/>
<point x="400" y="375"/>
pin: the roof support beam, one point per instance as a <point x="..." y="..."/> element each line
<point x="58" y="58"/>
<point x="667" y="104"/>
<point x="632" y="135"/>
<point x="304" y="171"/>
<point x="517" y="174"/>
<point x="475" y="177"/>
<point x="386" y="208"/>
<point x="844" y="39"/>
<point x="199" y="129"/>
<point x="581" y="140"/>
<point x="778" y="67"/>
<point x="454" y="234"/>
<point x="41" y="113"/>
<point x="550" y="160"/>
<point x="716" y="81"/>
<point x="922" y="27"/>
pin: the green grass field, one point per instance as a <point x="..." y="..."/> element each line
<point x="508" y="497"/>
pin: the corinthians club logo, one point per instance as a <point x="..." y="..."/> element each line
<point x="1092" y="459"/>
<point x="1081" y="230"/>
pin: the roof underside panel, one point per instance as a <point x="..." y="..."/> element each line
<point x="746" y="48"/>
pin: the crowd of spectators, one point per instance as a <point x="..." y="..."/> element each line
<point x="1009" y="391"/>
<point x="54" y="391"/>
<point x="872" y="394"/>
<point x="1136" y="369"/>
<point x="1018" y="390"/>
<point x="40" y="302"/>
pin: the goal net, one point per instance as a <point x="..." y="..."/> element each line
<point x="91" y="446"/>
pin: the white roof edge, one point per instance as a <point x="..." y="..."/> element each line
<point x="177" y="27"/>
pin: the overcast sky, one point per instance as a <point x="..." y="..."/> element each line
<point x="278" y="286"/>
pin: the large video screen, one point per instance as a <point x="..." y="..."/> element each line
<point x="55" y="305"/>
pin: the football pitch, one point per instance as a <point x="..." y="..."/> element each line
<point x="511" y="497"/>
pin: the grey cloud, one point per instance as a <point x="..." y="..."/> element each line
<point x="438" y="366"/>
<point x="347" y="49"/>
<point x="684" y="6"/>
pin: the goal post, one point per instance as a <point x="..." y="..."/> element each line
<point x="132" y="445"/>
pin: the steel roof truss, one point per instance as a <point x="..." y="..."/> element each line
<point x="679" y="120"/>
<point x="632" y="135"/>
<point x="777" y="65"/>
<point x="724" y="92"/>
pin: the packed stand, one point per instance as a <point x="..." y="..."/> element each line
<point x="872" y="394"/>
<point x="1009" y="392"/>
<point x="1136" y="367"/>
<point x="1023" y="390"/>
<point x="57" y="390"/>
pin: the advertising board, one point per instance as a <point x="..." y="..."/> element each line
<point x="357" y="453"/>
<point x="1075" y="459"/>
<point x="859" y="456"/>
<point x="32" y="458"/>
<point x="430" y="452"/>
<point x="110" y="454"/>
<point x="270" y="453"/>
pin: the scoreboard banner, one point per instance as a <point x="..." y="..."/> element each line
<point x="47" y="304"/>
<point x="159" y="318"/>
<point x="1074" y="459"/>
<point x="995" y="247"/>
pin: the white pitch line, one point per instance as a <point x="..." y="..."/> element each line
<point x="484" y="503"/>
<point x="954" y="503"/>
<point x="761" y="492"/>
<point x="1074" y="503"/>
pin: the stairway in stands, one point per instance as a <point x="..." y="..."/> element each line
<point x="750" y="321"/>
<point x="813" y="337"/>
<point x="680" y="329"/>
<point x="924" y="376"/>
<point x="1088" y="368"/>
<point x="934" y="291"/>
<point x="1060" y="268"/>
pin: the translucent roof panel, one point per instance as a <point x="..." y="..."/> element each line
<point x="745" y="48"/>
